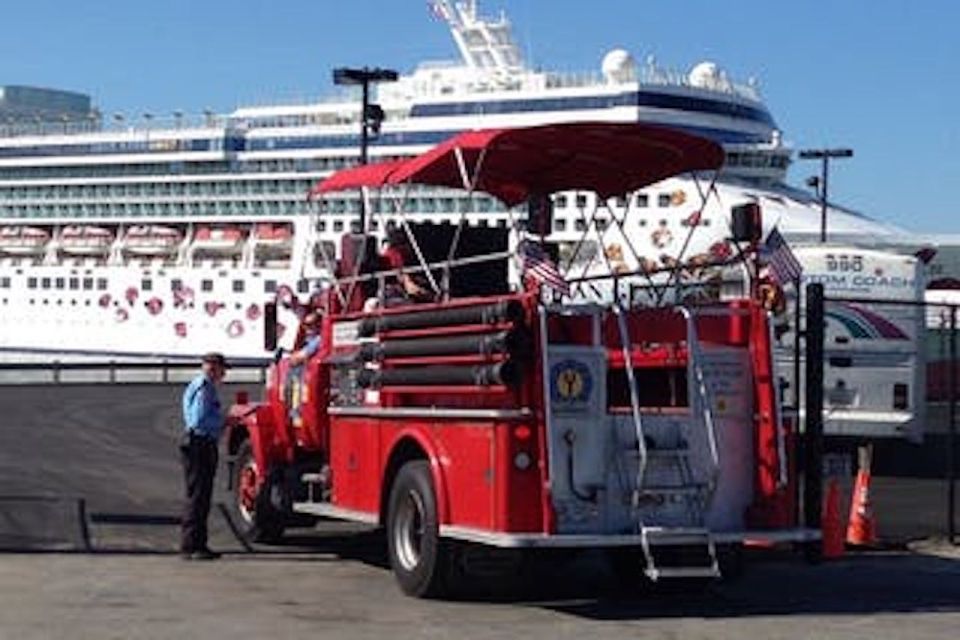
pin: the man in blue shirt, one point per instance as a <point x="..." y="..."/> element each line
<point x="203" y="422"/>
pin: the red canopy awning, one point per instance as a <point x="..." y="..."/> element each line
<point x="364" y="175"/>
<point x="607" y="158"/>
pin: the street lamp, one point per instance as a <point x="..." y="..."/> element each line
<point x="824" y="155"/>
<point x="371" y="115"/>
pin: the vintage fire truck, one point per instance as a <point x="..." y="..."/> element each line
<point x="519" y="412"/>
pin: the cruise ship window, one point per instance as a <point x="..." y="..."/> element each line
<point x="581" y="201"/>
<point x="642" y="200"/>
<point x="5" y="282"/>
<point x="322" y="225"/>
<point x="559" y="225"/>
<point x="146" y="285"/>
<point x="269" y="286"/>
<point x="45" y="283"/>
<point x="601" y="224"/>
<point x="580" y="224"/>
<point x="176" y="284"/>
<point x="303" y="285"/>
<point x="74" y="283"/>
<point x="238" y="286"/>
<point x="560" y="202"/>
<point x="101" y="284"/>
<point x="87" y="284"/>
<point x="60" y="283"/>
<point x="338" y="225"/>
<point x="663" y="200"/>
<point x="206" y="285"/>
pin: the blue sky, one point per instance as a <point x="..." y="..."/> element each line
<point x="880" y="76"/>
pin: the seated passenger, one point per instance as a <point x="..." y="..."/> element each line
<point x="402" y="288"/>
<point x="311" y="340"/>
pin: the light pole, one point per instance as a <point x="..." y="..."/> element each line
<point x="824" y="155"/>
<point x="371" y="115"/>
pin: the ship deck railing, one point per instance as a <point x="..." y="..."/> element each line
<point x="66" y="371"/>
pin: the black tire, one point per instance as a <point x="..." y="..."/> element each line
<point x="420" y="560"/>
<point x="254" y="513"/>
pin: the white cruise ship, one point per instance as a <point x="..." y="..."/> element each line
<point x="129" y="238"/>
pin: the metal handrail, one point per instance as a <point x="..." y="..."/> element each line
<point x="693" y="346"/>
<point x="634" y="401"/>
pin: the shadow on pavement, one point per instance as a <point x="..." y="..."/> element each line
<point x="581" y="585"/>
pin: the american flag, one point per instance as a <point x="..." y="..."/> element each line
<point x="784" y="266"/>
<point x="438" y="10"/>
<point x="537" y="264"/>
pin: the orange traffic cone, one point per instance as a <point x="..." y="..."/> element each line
<point x="831" y="528"/>
<point x="862" y="528"/>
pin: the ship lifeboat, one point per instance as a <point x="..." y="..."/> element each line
<point x="23" y="241"/>
<point x="150" y="240"/>
<point x="225" y="239"/>
<point x="85" y="240"/>
<point x="273" y="244"/>
<point x="273" y="234"/>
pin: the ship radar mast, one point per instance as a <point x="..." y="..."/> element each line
<point x="485" y="44"/>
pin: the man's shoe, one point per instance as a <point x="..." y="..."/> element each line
<point x="204" y="554"/>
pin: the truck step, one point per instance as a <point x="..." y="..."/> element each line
<point x="312" y="478"/>
<point x="658" y="573"/>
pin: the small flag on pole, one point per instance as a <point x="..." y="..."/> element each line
<point x="784" y="266"/>
<point x="537" y="264"/>
<point x="438" y="10"/>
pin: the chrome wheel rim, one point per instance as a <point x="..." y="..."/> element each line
<point x="409" y="530"/>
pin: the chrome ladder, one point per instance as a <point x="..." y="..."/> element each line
<point x="674" y="551"/>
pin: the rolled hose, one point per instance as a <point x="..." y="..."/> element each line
<point x="515" y="342"/>
<point x="486" y="375"/>
<point x="493" y="313"/>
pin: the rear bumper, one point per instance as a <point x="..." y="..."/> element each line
<point x="559" y="541"/>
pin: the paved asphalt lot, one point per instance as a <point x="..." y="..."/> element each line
<point x="340" y="590"/>
<point x="115" y="449"/>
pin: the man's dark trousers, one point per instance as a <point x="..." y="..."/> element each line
<point x="199" y="457"/>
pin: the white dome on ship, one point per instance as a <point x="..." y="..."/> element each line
<point x="618" y="66"/>
<point x="706" y="75"/>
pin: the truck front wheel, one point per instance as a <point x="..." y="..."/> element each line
<point x="418" y="556"/>
<point x="256" y="518"/>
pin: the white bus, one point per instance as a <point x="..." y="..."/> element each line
<point x="874" y="364"/>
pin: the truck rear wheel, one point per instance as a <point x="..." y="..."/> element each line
<point x="418" y="556"/>
<point x="256" y="518"/>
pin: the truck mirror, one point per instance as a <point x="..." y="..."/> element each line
<point x="270" y="326"/>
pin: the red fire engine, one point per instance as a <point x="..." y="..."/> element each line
<point x="522" y="415"/>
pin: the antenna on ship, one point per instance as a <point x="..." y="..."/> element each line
<point x="484" y="43"/>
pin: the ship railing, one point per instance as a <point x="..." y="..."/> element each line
<point x="154" y="371"/>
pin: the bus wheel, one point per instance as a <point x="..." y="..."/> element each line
<point x="257" y="520"/>
<point x="417" y="555"/>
